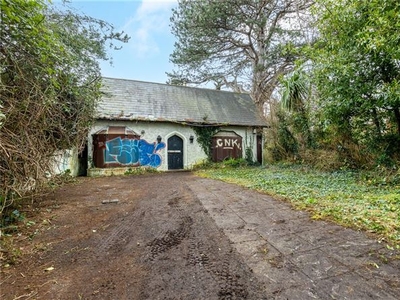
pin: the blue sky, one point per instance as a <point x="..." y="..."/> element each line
<point x="146" y="56"/>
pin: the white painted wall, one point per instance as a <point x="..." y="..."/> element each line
<point x="192" y="152"/>
<point x="66" y="160"/>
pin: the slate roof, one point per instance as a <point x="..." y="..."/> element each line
<point x="137" y="100"/>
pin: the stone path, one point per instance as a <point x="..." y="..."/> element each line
<point x="319" y="260"/>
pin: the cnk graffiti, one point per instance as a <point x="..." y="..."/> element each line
<point x="228" y="143"/>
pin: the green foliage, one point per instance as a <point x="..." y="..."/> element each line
<point x="285" y="143"/>
<point x="203" y="164"/>
<point x="357" y="74"/>
<point x="141" y="171"/>
<point x="249" y="156"/>
<point x="11" y="254"/>
<point x="204" y="136"/>
<point x="296" y="92"/>
<point x="359" y="200"/>
<point x="235" y="162"/>
<point x="49" y="82"/>
<point x="12" y="217"/>
<point x="226" y="164"/>
<point x="239" y="44"/>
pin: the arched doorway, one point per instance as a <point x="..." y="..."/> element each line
<point x="175" y="153"/>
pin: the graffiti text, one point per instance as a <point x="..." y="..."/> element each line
<point x="133" y="152"/>
<point x="228" y="143"/>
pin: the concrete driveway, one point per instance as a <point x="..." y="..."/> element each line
<point x="315" y="259"/>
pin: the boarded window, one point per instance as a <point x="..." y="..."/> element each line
<point x="226" y="144"/>
<point x="115" y="147"/>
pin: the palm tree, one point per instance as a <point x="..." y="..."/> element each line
<point x="296" y="93"/>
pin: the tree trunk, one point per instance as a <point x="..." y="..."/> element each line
<point x="397" y="117"/>
<point x="376" y="121"/>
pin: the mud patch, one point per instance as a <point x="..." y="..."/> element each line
<point x="177" y="236"/>
<point x="157" y="242"/>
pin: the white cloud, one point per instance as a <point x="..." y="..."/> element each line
<point x="150" y="19"/>
<point x="149" y="6"/>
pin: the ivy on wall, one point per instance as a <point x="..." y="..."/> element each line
<point x="204" y="136"/>
<point x="249" y="148"/>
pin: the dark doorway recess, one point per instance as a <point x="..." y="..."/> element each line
<point x="83" y="161"/>
<point x="259" y="149"/>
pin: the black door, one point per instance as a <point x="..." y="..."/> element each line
<point x="175" y="153"/>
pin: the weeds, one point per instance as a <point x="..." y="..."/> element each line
<point x="227" y="163"/>
<point x="9" y="254"/>
<point x="140" y="171"/>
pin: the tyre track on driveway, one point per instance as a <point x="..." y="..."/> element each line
<point x="296" y="257"/>
<point x="216" y="271"/>
<point x="178" y="236"/>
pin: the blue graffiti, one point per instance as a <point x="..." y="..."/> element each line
<point x="133" y="152"/>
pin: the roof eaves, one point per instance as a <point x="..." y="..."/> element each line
<point x="188" y="122"/>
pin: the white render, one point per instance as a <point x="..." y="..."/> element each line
<point x="66" y="161"/>
<point x="192" y="152"/>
